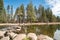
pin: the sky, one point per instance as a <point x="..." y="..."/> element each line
<point x="53" y="4"/>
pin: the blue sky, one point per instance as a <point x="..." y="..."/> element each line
<point x="17" y="3"/>
<point x="53" y="4"/>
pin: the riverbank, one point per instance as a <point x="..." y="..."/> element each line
<point x="30" y="36"/>
<point x="27" y="24"/>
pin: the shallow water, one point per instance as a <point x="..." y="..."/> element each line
<point x="50" y="30"/>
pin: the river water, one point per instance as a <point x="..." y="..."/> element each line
<point x="50" y="30"/>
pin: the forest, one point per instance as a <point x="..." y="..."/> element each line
<point x="27" y="14"/>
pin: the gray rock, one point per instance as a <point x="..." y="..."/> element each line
<point x="2" y="33"/>
<point x="20" y="37"/>
<point x="5" y="38"/>
<point x="13" y="35"/>
<point x="32" y="36"/>
<point x="44" y="37"/>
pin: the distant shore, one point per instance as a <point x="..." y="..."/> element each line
<point x="27" y="24"/>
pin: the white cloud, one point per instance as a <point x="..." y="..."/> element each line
<point x="55" y="6"/>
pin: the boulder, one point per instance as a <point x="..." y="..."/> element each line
<point x="2" y="34"/>
<point x="5" y="38"/>
<point x="17" y="30"/>
<point x="32" y="36"/>
<point x="20" y="37"/>
<point x="13" y="35"/>
<point x="44" y="37"/>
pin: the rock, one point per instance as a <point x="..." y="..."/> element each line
<point x="2" y="33"/>
<point x="17" y="30"/>
<point x="44" y="37"/>
<point x="5" y="38"/>
<point x="13" y="35"/>
<point x="20" y="37"/>
<point x="32" y="36"/>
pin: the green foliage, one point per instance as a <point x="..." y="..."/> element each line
<point x="27" y="38"/>
<point x="2" y="12"/>
<point x="20" y="13"/>
<point x="41" y="11"/>
<point x="33" y="14"/>
<point x="50" y="16"/>
<point x="30" y="13"/>
<point x="58" y="19"/>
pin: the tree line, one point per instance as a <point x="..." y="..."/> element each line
<point x="34" y="14"/>
<point x="27" y="14"/>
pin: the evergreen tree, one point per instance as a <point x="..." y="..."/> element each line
<point x="2" y="12"/>
<point x="39" y="13"/>
<point x="58" y="19"/>
<point x="42" y="13"/>
<point x="35" y="11"/>
<point x="8" y="13"/>
<point x="21" y="13"/>
<point x="30" y="13"/>
<point x="50" y="16"/>
<point x="43" y="16"/>
<point x="11" y="15"/>
<point x="11" y="12"/>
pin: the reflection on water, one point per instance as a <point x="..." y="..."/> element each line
<point x="45" y="29"/>
<point x="50" y="30"/>
<point x="57" y="35"/>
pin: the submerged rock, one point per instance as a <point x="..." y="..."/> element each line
<point x="44" y="37"/>
<point x="32" y="36"/>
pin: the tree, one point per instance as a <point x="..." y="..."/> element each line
<point x="58" y="19"/>
<point x="11" y="15"/>
<point x="43" y="16"/>
<point x="39" y="12"/>
<point x="50" y="16"/>
<point x="11" y="12"/>
<point x="1" y="9"/>
<point x="42" y="13"/>
<point x="35" y="11"/>
<point x="20" y="13"/>
<point x="4" y="15"/>
<point x="8" y="11"/>
<point x="8" y="8"/>
<point x="16" y="15"/>
<point x="2" y="12"/>
<point x="30" y="13"/>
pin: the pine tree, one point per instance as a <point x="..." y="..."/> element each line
<point x="35" y="12"/>
<point x="50" y="16"/>
<point x="30" y="13"/>
<point x="42" y="14"/>
<point x="16" y="15"/>
<point x="2" y="12"/>
<point x="8" y="13"/>
<point x="11" y="12"/>
<point x="22" y="13"/>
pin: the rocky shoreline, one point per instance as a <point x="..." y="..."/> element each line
<point x="12" y="35"/>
